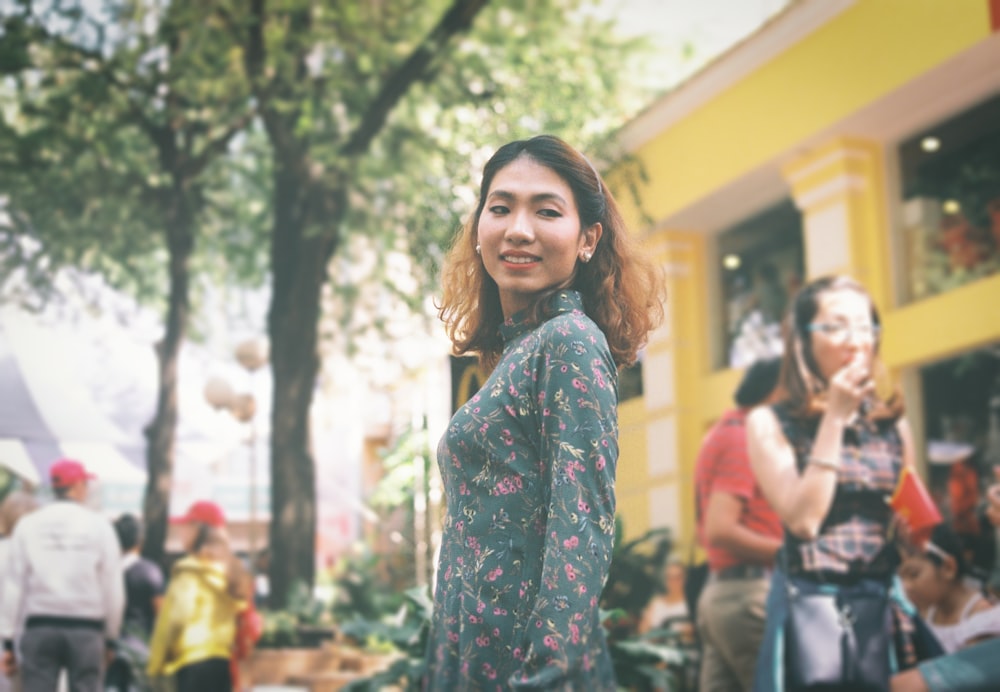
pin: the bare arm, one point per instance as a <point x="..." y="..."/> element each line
<point x="801" y="500"/>
<point x="724" y="530"/>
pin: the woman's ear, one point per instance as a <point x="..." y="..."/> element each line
<point x="949" y="568"/>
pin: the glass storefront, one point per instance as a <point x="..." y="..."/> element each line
<point x="951" y="202"/>
<point x="761" y="265"/>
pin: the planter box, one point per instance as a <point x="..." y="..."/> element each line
<point x="276" y="666"/>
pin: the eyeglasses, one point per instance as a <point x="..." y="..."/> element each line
<point x="839" y="332"/>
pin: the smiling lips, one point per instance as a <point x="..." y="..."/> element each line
<point x="519" y="259"/>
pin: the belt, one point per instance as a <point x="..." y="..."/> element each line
<point x="63" y="621"/>
<point x="743" y="572"/>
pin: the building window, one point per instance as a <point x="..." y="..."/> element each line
<point x="761" y="263"/>
<point x="951" y="202"/>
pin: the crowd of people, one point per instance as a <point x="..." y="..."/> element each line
<point x="82" y="610"/>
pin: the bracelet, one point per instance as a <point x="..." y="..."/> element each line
<point x="824" y="464"/>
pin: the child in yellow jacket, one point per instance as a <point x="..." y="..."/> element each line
<point x="196" y="625"/>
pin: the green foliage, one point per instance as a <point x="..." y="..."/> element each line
<point x="635" y="575"/>
<point x="363" y="588"/>
<point x="406" y="633"/>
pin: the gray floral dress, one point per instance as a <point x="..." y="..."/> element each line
<point x="528" y="465"/>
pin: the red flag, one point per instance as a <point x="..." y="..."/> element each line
<point x="914" y="505"/>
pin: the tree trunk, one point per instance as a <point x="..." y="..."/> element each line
<point x="300" y="253"/>
<point x="161" y="431"/>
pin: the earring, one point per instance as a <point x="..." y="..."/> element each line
<point x="585" y="256"/>
<point x="479" y="249"/>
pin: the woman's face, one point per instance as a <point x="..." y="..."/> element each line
<point x="924" y="581"/>
<point x="842" y="331"/>
<point x="529" y="233"/>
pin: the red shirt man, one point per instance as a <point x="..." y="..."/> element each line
<point x="741" y="535"/>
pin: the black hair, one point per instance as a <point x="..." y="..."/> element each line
<point x="945" y="538"/>
<point x="758" y="381"/>
<point x="129" y="530"/>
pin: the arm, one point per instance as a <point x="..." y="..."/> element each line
<point x="579" y="449"/>
<point x="13" y="599"/>
<point x="801" y="500"/>
<point x="906" y="438"/>
<point x="180" y="595"/>
<point x="112" y="582"/>
<point x="724" y="530"/>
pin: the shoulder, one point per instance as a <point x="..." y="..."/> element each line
<point x="762" y="419"/>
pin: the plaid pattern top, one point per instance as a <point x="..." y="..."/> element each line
<point x="854" y="537"/>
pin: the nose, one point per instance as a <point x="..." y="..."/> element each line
<point x="519" y="230"/>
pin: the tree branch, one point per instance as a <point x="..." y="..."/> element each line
<point x="456" y="20"/>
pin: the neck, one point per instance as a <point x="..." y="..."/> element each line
<point x="950" y="607"/>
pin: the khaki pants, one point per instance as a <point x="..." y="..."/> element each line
<point x="731" y="617"/>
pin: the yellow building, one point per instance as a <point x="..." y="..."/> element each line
<point x="845" y="136"/>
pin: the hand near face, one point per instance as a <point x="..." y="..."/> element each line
<point x="849" y="386"/>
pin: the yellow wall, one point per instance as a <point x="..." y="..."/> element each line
<point x="869" y="50"/>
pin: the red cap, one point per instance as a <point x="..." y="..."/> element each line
<point x="202" y="512"/>
<point x="67" y="472"/>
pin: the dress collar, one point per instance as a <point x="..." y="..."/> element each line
<point x="558" y="303"/>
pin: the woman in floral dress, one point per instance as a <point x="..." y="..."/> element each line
<point x="546" y="287"/>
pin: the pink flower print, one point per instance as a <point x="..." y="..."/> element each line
<point x="484" y="427"/>
<point x="453" y="637"/>
<point x="463" y="489"/>
<point x="581" y="588"/>
<point x="601" y="463"/>
<point x="475" y="620"/>
<point x="579" y="384"/>
<point x="475" y="410"/>
<point x="510" y="410"/>
<point x="571" y="542"/>
<point x="508" y="438"/>
<point x="517" y="653"/>
<point x="583" y="506"/>
<point x="483" y="640"/>
<point x="546" y="412"/>
<point x="599" y="379"/>
<point x="564" y="369"/>
<point x="494" y="574"/>
<point x="480" y="607"/>
<point x="574" y="634"/>
<point x="447" y="574"/>
<point x="512" y="390"/>
<point x="551" y="642"/>
<point x="570" y="573"/>
<point x="496" y="631"/>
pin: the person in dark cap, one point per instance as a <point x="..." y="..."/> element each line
<point x="64" y="580"/>
<point x="740" y="533"/>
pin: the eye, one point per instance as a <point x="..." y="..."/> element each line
<point x="498" y="209"/>
<point x="550" y="213"/>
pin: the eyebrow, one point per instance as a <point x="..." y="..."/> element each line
<point x="535" y="199"/>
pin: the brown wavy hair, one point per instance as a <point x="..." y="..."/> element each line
<point x="804" y="385"/>
<point x="623" y="290"/>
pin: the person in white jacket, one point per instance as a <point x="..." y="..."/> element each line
<point x="64" y="583"/>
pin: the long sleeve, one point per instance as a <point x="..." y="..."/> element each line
<point x="12" y="574"/>
<point x="168" y="623"/>
<point x="111" y="581"/>
<point x="577" y="411"/>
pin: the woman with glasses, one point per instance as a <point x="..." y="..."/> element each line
<point x="827" y="458"/>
